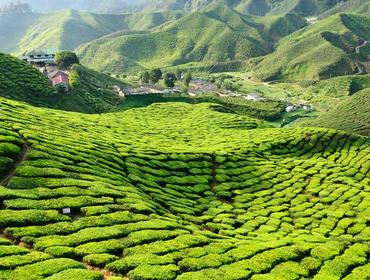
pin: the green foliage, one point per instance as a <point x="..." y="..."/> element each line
<point x="22" y="81"/>
<point x="152" y="272"/>
<point x="145" y="77"/>
<point x="207" y="195"/>
<point x="65" y="59"/>
<point x="170" y="79"/>
<point x="76" y="274"/>
<point x="352" y="115"/>
<point x="44" y="269"/>
<point x="155" y="75"/>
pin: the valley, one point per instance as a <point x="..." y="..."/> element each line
<point x="185" y="140"/>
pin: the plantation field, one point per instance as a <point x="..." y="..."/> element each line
<point x="179" y="191"/>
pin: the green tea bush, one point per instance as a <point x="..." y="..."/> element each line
<point x="154" y="272"/>
<point x="76" y="274"/>
<point x="99" y="260"/>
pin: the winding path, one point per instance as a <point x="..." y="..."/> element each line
<point x="19" y="159"/>
<point x="358" y="48"/>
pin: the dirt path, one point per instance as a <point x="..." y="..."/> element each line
<point x="19" y="159"/>
<point x="358" y="48"/>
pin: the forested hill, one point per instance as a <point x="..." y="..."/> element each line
<point x="254" y="7"/>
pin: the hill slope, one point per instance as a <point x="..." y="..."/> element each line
<point x="216" y="35"/>
<point x="318" y="51"/>
<point x="92" y="91"/>
<point x="12" y="30"/>
<point x="22" y="81"/>
<point x="353" y="6"/>
<point x="68" y="29"/>
<point x="353" y="115"/>
<point x="189" y="194"/>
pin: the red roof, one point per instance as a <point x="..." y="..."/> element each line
<point x="60" y="78"/>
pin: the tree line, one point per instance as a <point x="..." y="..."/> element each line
<point x="169" y="78"/>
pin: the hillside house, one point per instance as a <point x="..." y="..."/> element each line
<point x="119" y="91"/>
<point x="40" y="57"/>
<point x="59" y="78"/>
<point x="254" y="97"/>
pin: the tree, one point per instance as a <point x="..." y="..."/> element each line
<point x="144" y="77"/>
<point x="187" y="79"/>
<point x="66" y="59"/>
<point x="178" y="74"/>
<point x="155" y="75"/>
<point x="169" y="80"/>
<point x="61" y="89"/>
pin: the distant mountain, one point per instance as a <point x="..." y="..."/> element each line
<point x="216" y="35"/>
<point x="68" y="29"/>
<point x="106" y="6"/>
<point x="327" y="48"/>
<point x="252" y="7"/>
<point x="353" y="6"/>
<point x="13" y="28"/>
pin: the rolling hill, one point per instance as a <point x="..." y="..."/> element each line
<point x="353" y="6"/>
<point x="68" y="29"/>
<point x="92" y="91"/>
<point x="250" y="7"/>
<point x="353" y="114"/>
<point x="216" y="35"/>
<point x="325" y="49"/>
<point x="188" y="194"/>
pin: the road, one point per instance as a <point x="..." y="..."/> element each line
<point x="358" y="48"/>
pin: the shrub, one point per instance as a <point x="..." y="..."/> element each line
<point x="131" y="262"/>
<point x="61" y="252"/>
<point x="99" y="260"/>
<point x="154" y="272"/>
<point x="44" y="269"/>
<point x="76" y="274"/>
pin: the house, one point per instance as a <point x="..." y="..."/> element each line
<point x="119" y="91"/>
<point x="254" y="96"/>
<point x="290" y="109"/>
<point x="40" y="57"/>
<point x="59" y="78"/>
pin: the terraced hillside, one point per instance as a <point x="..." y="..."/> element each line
<point x="353" y="114"/>
<point x="92" y="92"/>
<point x="323" y="50"/>
<point x="194" y="38"/>
<point x="191" y="193"/>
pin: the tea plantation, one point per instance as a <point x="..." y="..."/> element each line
<point x="179" y="191"/>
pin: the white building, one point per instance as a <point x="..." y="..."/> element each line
<point x="290" y="109"/>
<point x="254" y="97"/>
<point x="40" y="57"/>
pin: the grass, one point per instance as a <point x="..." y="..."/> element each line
<point x="180" y="191"/>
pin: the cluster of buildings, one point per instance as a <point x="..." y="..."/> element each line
<point x="45" y="61"/>
<point x="293" y="108"/>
